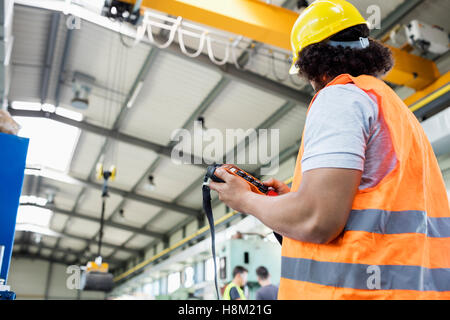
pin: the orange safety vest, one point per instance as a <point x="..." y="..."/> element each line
<point x="396" y="243"/>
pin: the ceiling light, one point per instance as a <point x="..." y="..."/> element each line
<point x="136" y="92"/>
<point x="27" y="227"/>
<point x="66" y="113"/>
<point x="33" y="200"/>
<point x="150" y="185"/>
<point x="48" y="108"/>
<point x="23" y="105"/>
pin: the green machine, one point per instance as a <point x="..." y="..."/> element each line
<point x="250" y="254"/>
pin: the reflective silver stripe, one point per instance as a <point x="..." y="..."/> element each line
<point x="387" y="222"/>
<point x="357" y="276"/>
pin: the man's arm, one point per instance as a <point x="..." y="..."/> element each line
<point x="316" y="213"/>
<point x="234" y="294"/>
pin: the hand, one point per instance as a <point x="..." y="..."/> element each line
<point x="7" y="123"/>
<point x="278" y="186"/>
<point x="233" y="192"/>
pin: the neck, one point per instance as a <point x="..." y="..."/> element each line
<point x="264" y="283"/>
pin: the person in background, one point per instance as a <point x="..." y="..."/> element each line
<point x="233" y="290"/>
<point x="267" y="291"/>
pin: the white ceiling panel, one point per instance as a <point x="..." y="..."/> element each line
<point x="193" y="199"/>
<point x="65" y="193"/>
<point x="106" y="251"/>
<point x="167" y="221"/>
<point x="72" y="244"/>
<point x="25" y="84"/>
<point x="139" y="242"/>
<point x="33" y="249"/>
<point x="173" y="89"/>
<point x="136" y="214"/>
<point x="171" y="179"/>
<point x="100" y="53"/>
<point x="131" y="163"/>
<point x="91" y="203"/>
<point x="83" y="228"/>
<point x="30" y="29"/>
<point x="88" y="148"/>
<point x="58" y="221"/>
<point x="122" y="255"/>
<point x="115" y="236"/>
<point x="49" y="241"/>
<point x="46" y="252"/>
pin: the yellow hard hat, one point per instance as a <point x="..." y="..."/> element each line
<point x="319" y="21"/>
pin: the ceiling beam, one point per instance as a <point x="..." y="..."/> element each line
<point x="65" y="55"/>
<point x="67" y="251"/>
<point x="112" y="224"/>
<point x="50" y="52"/>
<point x="123" y="193"/>
<point x="108" y="133"/>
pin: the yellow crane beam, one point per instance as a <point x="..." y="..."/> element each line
<point x="272" y="25"/>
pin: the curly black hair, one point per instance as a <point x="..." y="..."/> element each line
<point x="322" y="62"/>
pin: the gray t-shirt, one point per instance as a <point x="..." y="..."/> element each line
<point x="344" y="129"/>
<point x="269" y="292"/>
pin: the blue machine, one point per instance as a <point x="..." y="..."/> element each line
<point x="13" y="153"/>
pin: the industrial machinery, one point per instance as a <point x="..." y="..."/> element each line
<point x="427" y="38"/>
<point x="12" y="169"/>
<point x="96" y="276"/>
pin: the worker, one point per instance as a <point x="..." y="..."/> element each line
<point x="367" y="215"/>
<point x="267" y="291"/>
<point x="233" y="291"/>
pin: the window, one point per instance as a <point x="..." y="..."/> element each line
<point x="173" y="282"/>
<point x="188" y="277"/>
<point x="51" y="143"/>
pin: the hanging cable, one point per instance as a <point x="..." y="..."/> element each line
<point x="169" y="41"/>
<point x="200" y="46"/>
<point x="233" y="53"/>
<point x="211" y="53"/>
<point x="274" y="69"/>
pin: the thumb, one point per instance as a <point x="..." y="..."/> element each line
<point x="222" y="174"/>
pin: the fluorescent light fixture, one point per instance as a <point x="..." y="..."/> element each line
<point x="136" y="92"/>
<point x="24" y="105"/>
<point x="37" y="229"/>
<point x="33" y="200"/>
<point x="34" y="215"/>
<point x="52" y="143"/>
<point x="66" y="113"/>
<point x="48" y="108"/>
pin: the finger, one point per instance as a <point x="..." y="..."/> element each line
<point x="223" y="174"/>
<point x="216" y="186"/>
<point x="269" y="183"/>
